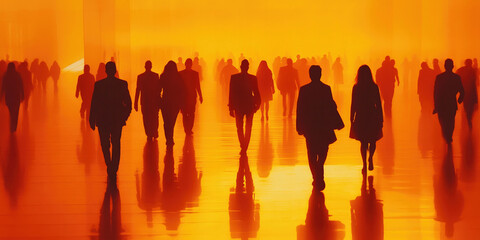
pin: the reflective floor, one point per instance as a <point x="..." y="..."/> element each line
<point x="54" y="183"/>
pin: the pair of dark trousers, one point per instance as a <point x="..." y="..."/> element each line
<point x="110" y="136"/>
<point x="13" y="109"/>
<point x="169" y="114"/>
<point x="317" y="154"/>
<point x="150" y="121"/>
<point x="447" y="122"/>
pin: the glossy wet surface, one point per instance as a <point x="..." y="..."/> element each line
<point x="54" y="183"/>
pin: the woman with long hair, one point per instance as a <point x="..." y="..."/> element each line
<point x="366" y="115"/>
<point x="265" y="86"/>
<point x="12" y="89"/>
<point x="172" y="90"/>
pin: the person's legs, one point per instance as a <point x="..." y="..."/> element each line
<point x="147" y="121"/>
<point x="13" y="109"/>
<point x="83" y="109"/>
<point x="363" y="152"/>
<point x="262" y="108"/>
<point x="284" y="101"/>
<point x="322" y="156"/>
<point x="312" y="158"/>
<point x="371" y="149"/>
<point x="248" y="130"/>
<point x="240" y="134"/>
<point x="291" y="103"/>
<point x="267" y="107"/>
<point x="116" y="134"/>
<point x="447" y="123"/>
<point x="104" y="134"/>
<point x="169" y="117"/>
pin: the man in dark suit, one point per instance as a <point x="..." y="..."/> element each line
<point x="244" y="101"/>
<point x="192" y="88"/>
<point x="317" y="117"/>
<point x="447" y="86"/>
<point x="148" y="90"/>
<point x="110" y="109"/>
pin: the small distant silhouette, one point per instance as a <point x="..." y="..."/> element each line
<point x="244" y="101"/>
<point x="109" y="111"/>
<point x="148" y="88"/>
<point x="325" y="65"/>
<point x="180" y="65"/>
<point x="226" y="74"/>
<point x="317" y="223"/>
<point x="468" y="74"/>
<point x="337" y="69"/>
<point x="386" y="77"/>
<point x="100" y="72"/>
<point x="34" y="69"/>
<point x="447" y="86"/>
<point x="287" y="83"/>
<point x="12" y="89"/>
<point x="42" y="74"/>
<point x="27" y="82"/>
<point x="85" y="85"/>
<point x="172" y="88"/>
<point x="367" y="213"/>
<point x="317" y="117"/>
<point x="426" y="81"/>
<point x="265" y="86"/>
<point x="366" y="115"/>
<point x="55" y="74"/>
<point x="197" y="66"/>
<point x="436" y="67"/>
<point x="192" y="90"/>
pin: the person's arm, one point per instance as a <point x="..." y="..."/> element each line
<point x="256" y="94"/>
<point x="418" y="82"/>
<point x="93" y="107"/>
<point x="301" y="102"/>
<point x="396" y="77"/>
<point x="272" y="85"/>
<point x="231" y="98"/>
<point x="137" y="93"/>
<point x="198" y="88"/>
<point x="436" y="96"/>
<point x="22" y="90"/>
<point x="77" y="91"/>
<point x="353" y="107"/>
<point x="378" y="103"/>
<point x="461" y="90"/>
<point x="127" y="101"/>
<point x="297" y="80"/>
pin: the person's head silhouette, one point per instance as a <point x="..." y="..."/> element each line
<point x="148" y="65"/>
<point x="364" y="75"/>
<point x="449" y="65"/>
<point x="11" y="67"/>
<point x="110" y="69"/>
<point x="188" y="63"/>
<point x="289" y="62"/>
<point x="424" y="65"/>
<point x="229" y="61"/>
<point x="468" y="62"/>
<point x="315" y="72"/>
<point x="180" y="60"/>
<point x="244" y="66"/>
<point x="86" y="68"/>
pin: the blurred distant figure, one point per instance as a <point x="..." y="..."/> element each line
<point x="12" y="89"/>
<point x="148" y="88"/>
<point x="42" y="74"/>
<point x="55" y="73"/>
<point x="109" y="111"/>
<point x="220" y="65"/>
<point x="26" y="76"/>
<point x="386" y="77"/>
<point x="226" y="74"/>
<point x="180" y="65"/>
<point x="337" y="69"/>
<point x="366" y="115"/>
<point x="325" y="64"/>
<point x="265" y="86"/>
<point x="317" y="117"/>
<point x="287" y="83"/>
<point x="276" y="65"/>
<point x="302" y="69"/>
<point x="426" y="81"/>
<point x="192" y="90"/>
<point x="172" y="90"/>
<point x="436" y="67"/>
<point x="367" y="214"/>
<point x="196" y="66"/>
<point x="34" y="70"/>
<point x="447" y="86"/>
<point x="100" y="72"/>
<point x="244" y="101"/>
<point x="468" y="75"/>
<point x="85" y="85"/>
<point x="3" y="69"/>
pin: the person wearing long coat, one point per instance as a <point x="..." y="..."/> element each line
<point x="12" y="89"/>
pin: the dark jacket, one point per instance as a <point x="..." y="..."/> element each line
<point x="447" y="85"/>
<point x="111" y="103"/>
<point x="244" y="95"/>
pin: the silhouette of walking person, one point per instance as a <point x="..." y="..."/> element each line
<point x="244" y="101"/>
<point x="337" y="69"/>
<point x="287" y="83"/>
<point x="43" y="73"/>
<point x="366" y="115"/>
<point x="468" y="75"/>
<point x="426" y="81"/>
<point x="109" y="111"/>
<point x="265" y="86"/>
<point x="317" y="117"/>
<point x="226" y="74"/>
<point x="447" y="86"/>
<point x="192" y="90"/>
<point x="85" y="85"/>
<point x="12" y="89"/>
<point x="148" y="87"/>
<point x="26" y="76"/>
<point x="55" y="74"/>
<point x="172" y="89"/>
<point x="386" y="77"/>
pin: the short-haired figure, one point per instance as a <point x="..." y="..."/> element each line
<point x="366" y="115"/>
<point x="426" y="81"/>
<point x="244" y="101"/>
<point x="287" y="83"/>
<point x="27" y="82"/>
<point x="55" y="74"/>
<point x="447" y="86"/>
<point x="148" y="88"/>
<point x="109" y="111"/>
<point x="172" y="89"/>
<point x="317" y="117"/>
<point x="192" y="91"/>
<point x="12" y="89"/>
<point x="468" y="74"/>
<point x="85" y="85"/>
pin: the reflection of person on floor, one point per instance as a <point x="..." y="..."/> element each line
<point x="110" y="226"/>
<point x="244" y="101"/>
<point x="367" y="213"/>
<point x="12" y="89"/>
<point x="317" y="117"/>
<point x="85" y="85"/>
<point x="192" y="90"/>
<point x="189" y="179"/>
<point x="148" y="87"/>
<point x="110" y="109"/>
<point x="447" y="86"/>
<point x="172" y="198"/>
<point x="448" y="199"/>
<point x="317" y="224"/>
<point x="244" y="176"/>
